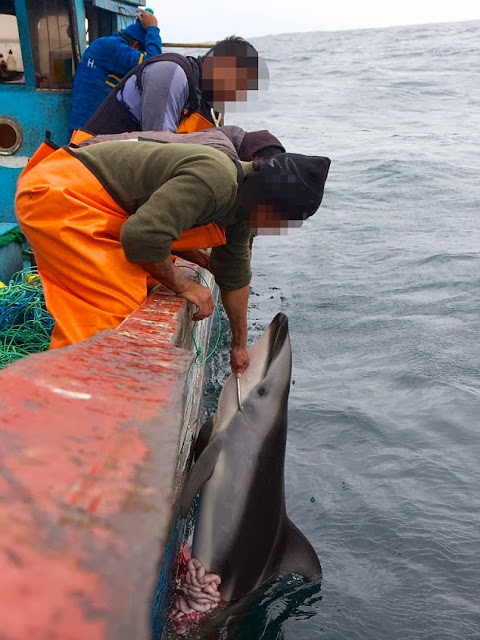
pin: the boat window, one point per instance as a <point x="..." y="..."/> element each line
<point x="11" y="64"/>
<point x="51" y="39"/>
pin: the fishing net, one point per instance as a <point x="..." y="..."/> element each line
<point x="25" y="324"/>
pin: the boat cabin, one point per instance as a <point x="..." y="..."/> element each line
<point x="41" y="41"/>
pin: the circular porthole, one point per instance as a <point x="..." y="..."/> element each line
<point x="11" y="136"/>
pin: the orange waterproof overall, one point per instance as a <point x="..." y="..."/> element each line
<point x="73" y="226"/>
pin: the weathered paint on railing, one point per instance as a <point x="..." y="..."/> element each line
<point x="89" y="473"/>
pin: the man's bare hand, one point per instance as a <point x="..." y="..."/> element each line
<point x="238" y="360"/>
<point x="200" y="296"/>
<point x="146" y="19"/>
<point x="172" y="277"/>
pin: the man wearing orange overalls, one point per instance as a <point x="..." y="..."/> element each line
<point x="102" y="218"/>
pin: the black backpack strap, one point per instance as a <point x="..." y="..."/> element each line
<point x="113" y="115"/>
<point x="189" y="66"/>
<point x="193" y="70"/>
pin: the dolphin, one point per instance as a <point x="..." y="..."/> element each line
<point x="242" y="531"/>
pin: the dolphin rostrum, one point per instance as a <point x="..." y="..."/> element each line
<point x="242" y="531"/>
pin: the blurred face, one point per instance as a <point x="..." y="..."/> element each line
<point x="227" y="81"/>
<point x="266" y="220"/>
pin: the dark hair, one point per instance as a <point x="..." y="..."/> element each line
<point x="235" y="46"/>
<point x="262" y="155"/>
<point x="129" y="40"/>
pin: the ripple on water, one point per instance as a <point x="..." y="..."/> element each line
<point x="382" y="292"/>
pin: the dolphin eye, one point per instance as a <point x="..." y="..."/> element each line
<point x="262" y="391"/>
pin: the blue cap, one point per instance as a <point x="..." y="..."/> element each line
<point x="136" y="31"/>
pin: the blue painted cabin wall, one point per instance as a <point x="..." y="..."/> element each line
<point x="38" y="110"/>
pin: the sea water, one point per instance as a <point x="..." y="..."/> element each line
<point x="382" y="291"/>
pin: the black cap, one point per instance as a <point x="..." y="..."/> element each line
<point x="291" y="182"/>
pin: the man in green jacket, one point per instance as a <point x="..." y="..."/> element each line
<point x="102" y="218"/>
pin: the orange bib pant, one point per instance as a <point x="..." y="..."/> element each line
<point x="73" y="226"/>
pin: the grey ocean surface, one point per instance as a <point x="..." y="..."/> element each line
<point x="382" y="291"/>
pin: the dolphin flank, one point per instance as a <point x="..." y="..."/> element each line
<point x="242" y="532"/>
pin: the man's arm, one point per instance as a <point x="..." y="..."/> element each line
<point x="236" y="305"/>
<point x="125" y="57"/>
<point x="165" y="94"/>
<point x="153" y="41"/>
<point x="200" y="257"/>
<point x="230" y="264"/>
<point x="172" y="277"/>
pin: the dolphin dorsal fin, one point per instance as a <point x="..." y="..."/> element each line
<point x="297" y="554"/>
<point x="201" y="472"/>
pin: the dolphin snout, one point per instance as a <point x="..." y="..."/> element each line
<point x="278" y="334"/>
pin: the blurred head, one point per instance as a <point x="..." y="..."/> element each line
<point x="229" y="71"/>
<point x="282" y="192"/>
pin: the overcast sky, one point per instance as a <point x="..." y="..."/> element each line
<point x="210" y="20"/>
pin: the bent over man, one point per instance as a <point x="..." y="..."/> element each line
<point x="179" y="93"/>
<point x="102" y="218"/>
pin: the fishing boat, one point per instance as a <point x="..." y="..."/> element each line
<point x="95" y="438"/>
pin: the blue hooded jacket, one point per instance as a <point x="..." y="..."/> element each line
<point x="103" y="64"/>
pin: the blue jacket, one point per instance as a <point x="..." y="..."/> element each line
<point x="103" y="64"/>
